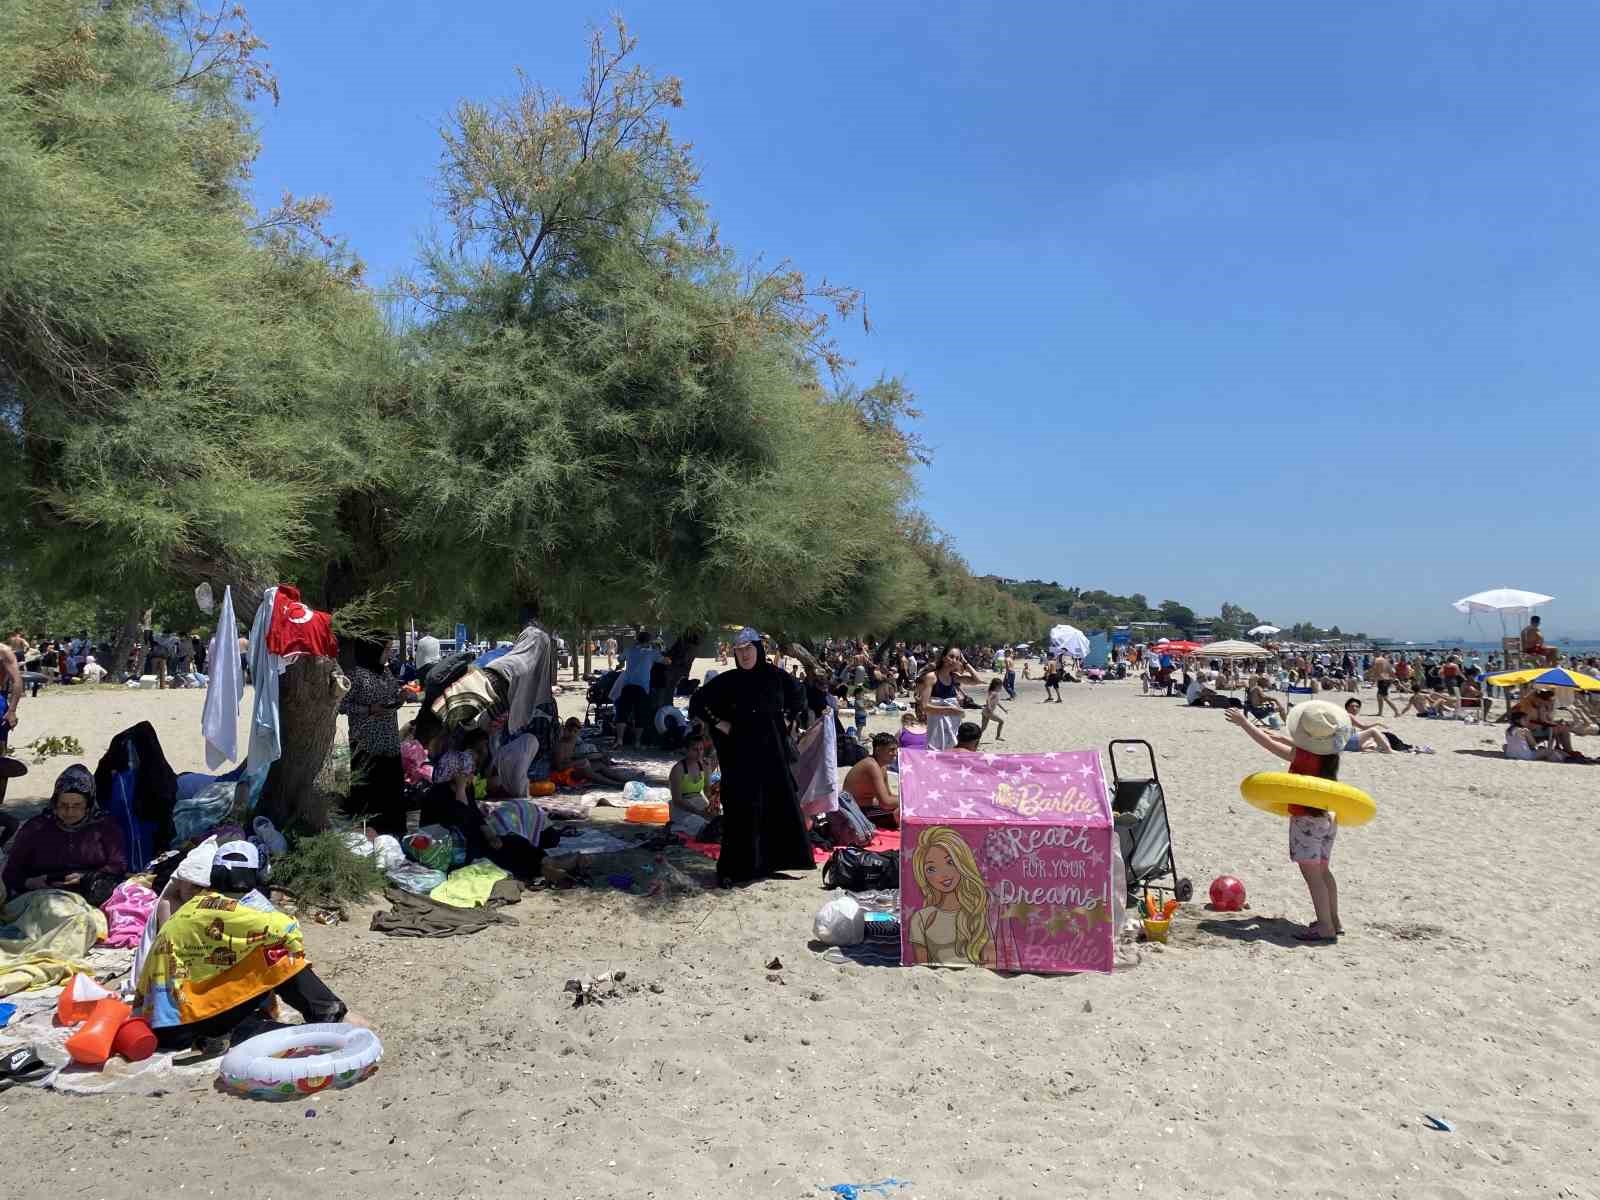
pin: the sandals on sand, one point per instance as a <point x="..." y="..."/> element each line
<point x="21" y="1066"/>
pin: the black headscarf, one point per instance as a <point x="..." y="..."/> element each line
<point x="77" y="780"/>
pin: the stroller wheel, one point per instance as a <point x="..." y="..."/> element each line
<point x="1185" y="890"/>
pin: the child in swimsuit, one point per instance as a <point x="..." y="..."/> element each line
<point x="1318" y="731"/>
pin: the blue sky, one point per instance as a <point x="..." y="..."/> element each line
<point x="1294" y="306"/>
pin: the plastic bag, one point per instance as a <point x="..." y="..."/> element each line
<point x="840" y="922"/>
<point x="434" y="846"/>
<point x="414" y="877"/>
<point x="269" y="836"/>
<point x="386" y="849"/>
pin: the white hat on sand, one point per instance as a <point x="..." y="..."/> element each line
<point x="1319" y="727"/>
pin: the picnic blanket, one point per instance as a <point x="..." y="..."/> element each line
<point x="45" y="936"/>
<point x="884" y="839"/>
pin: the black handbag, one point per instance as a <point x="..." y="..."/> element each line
<point x="857" y="870"/>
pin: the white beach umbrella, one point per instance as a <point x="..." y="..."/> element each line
<point x="1232" y="649"/>
<point x="1263" y="631"/>
<point x="1508" y="601"/>
<point x="1074" y="641"/>
<point x="1504" y="602"/>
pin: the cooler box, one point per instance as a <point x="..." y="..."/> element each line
<point x="1005" y="861"/>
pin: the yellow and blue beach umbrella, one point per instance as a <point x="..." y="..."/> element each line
<point x="1547" y="677"/>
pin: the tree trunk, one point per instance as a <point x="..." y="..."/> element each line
<point x="299" y="794"/>
<point x="126" y="640"/>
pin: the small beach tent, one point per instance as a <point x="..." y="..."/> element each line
<point x="1099" y="651"/>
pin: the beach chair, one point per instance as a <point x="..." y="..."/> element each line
<point x="1139" y="812"/>
<point x="1303" y="691"/>
<point x="1512" y="653"/>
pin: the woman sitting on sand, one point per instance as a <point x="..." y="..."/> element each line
<point x="71" y="846"/>
<point x="1520" y="745"/>
<point x="451" y="801"/>
<point x="694" y="808"/>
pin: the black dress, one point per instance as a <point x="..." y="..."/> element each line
<point x="763" y="829"/>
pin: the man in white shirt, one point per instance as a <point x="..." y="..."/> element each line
<point x="92" y="671"/>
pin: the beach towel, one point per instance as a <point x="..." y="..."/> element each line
<point x="469" y="886"/>
<point x="45" y="937"/>
<point x="520" y="818"/>
<point x="214" y="954"/>
<point x="525" y="670"/>
<point x="219" y="719"/>
<point x="266" y="742"/>
<point x="419" y="916"/>
<point x="816" y="770"/>
<point x="126" y="914"/>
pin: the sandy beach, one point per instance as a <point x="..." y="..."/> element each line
<point x="1232" y="1062"/>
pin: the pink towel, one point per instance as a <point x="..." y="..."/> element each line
<point x="127" y="911"/>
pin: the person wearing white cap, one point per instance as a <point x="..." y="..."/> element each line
<point x="213" y="968"/>
<point x="1317" y="731"/>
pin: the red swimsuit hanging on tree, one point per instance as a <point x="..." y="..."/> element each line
<point x="299" y="629"/>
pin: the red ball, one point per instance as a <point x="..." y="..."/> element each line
<point x="1227" y="894"/>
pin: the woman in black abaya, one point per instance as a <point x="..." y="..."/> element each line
<point x="747" y="711"/>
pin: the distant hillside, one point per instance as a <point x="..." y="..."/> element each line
<point x="1094" y="611"/>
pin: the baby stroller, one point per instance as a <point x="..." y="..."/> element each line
<point x="1139" y="811"/>
<point x="599" y="710"/>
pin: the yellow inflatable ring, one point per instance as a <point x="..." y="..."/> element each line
<point x="1275" y="791"/>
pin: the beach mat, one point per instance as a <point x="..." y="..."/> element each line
<point x="884" y="839"/>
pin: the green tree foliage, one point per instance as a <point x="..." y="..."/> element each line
<point x="182" y="377"/>
<point x="591" y="401"/>
<point x="623" y="418"/>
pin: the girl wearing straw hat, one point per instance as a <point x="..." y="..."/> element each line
<point x="1317" y="731"/>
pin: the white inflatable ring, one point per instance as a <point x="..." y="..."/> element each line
<point x="301" y="1061"/>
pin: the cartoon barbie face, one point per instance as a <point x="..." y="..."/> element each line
<point x="939" y="870"/>
<point x="953" y="925"/>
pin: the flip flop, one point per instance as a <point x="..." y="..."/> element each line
<point x="21" y="1066"/>
<point x="1312" y="937"/>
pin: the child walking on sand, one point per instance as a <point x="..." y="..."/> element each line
<point x="992" y="705"/>
<point x="1317" y="731"/>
